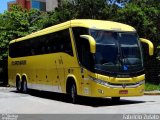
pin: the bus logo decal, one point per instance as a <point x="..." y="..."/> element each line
<point x="21" y="62"/>
<point x="124" y="85"/>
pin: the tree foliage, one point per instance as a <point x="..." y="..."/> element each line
<point x="18" y="23"/>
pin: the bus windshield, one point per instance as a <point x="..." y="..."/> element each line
<point x="117" y="51"/>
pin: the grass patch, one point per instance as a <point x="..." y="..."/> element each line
<point x="151" y="87"/>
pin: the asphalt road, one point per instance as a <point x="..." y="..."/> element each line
<point x="36" y="102"/>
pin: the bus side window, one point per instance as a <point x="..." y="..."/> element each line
<point x="12" y="50"/>
<point x="61" y="47"/>
<point x="66" y="41"/>
<point x="32" y="52"/>
<point x="42" y="50"/>
<point x="50" y="43"/>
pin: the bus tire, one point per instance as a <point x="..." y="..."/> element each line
<point x="24" y="86"/>
<point x="18" y="84"/>
<point x="115" y="99"/>
<point x="73" y="93"/>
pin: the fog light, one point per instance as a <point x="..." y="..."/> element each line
<point x="141" y="91"/>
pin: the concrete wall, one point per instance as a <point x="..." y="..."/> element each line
<point x="51" y="5"/>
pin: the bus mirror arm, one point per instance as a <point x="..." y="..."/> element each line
<point x="91" y="41"/>
<point x="150" y="45"/>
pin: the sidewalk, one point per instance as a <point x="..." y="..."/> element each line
<point x="155" y="92"/>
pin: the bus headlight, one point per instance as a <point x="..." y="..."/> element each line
<point x="141" y="82"/>
<point x="99" y="81"/>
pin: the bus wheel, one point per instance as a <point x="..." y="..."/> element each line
<point x="73" y="93"/>
<point x="115" y="99"/>
<point x="18" y="84"/>
<point x="24" y="86"/>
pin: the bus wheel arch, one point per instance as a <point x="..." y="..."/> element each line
<point x="24" y="83"/>
<point x="71" y="89"/>
<point x="18" y="82"/>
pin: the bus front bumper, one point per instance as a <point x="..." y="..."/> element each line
<point x="102" y="89"/>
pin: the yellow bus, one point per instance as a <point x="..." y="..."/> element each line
<point x="80" y="57"/>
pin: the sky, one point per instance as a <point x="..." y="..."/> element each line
<point x="3" y="5"/>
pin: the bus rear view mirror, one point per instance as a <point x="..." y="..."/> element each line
<point x="150" y="45"/>
<point x="92" y="42"/>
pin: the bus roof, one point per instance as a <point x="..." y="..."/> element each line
<point x="101" y="24"/>
<point x="87" y="23"/>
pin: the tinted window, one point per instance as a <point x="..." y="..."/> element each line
<point x="83" y="47"/>
<point x="50" y="43"/>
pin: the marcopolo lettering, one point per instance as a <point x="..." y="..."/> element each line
<point x="21" y="62"/>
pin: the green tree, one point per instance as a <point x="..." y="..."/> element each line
<point x="144" y="16"/>
<point x="18" y="23"/>
<point x="80" y="9"/>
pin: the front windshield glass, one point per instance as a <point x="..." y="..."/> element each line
<point x="117" y="51"/>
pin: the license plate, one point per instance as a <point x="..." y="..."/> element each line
<point x="123" y="92"/>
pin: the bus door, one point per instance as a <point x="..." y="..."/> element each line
<point x="83" y="54"/>
<point x="84" y="57"/>
<point x="86" y="87"/>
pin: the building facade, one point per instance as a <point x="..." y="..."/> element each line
<point x="42" y="5"/>
<point x="24" y="4"/>
<point x="38" y="4"/>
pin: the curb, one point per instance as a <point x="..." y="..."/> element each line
<point x="152" y="93"/>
